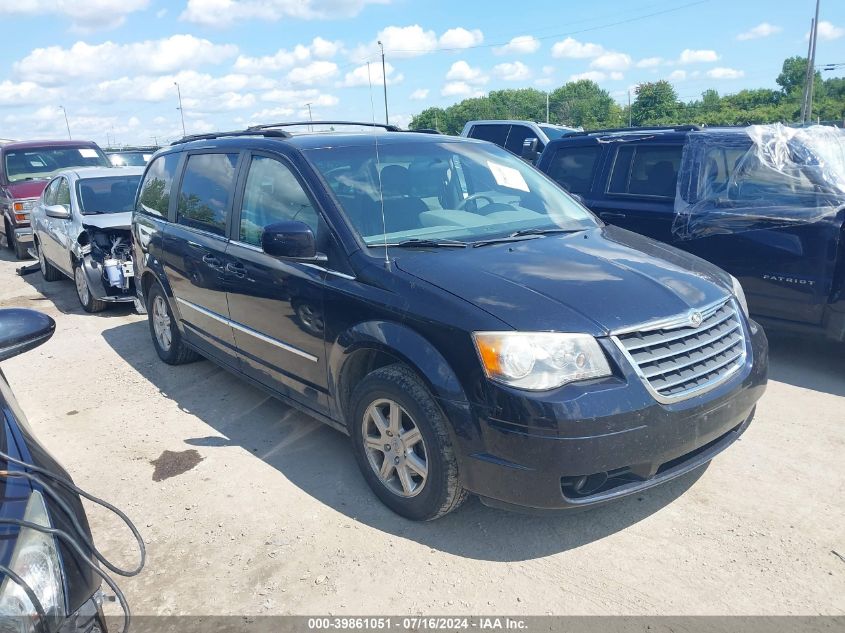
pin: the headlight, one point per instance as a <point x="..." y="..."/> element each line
<point x="24" y="205"/>
<point x="36" y="560"/>
<point x="540" y="360"/>
<point x="739" y="293"/>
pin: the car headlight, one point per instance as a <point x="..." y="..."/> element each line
<point x="36" y="560"/>
<point x="540" y="360"/>
<point x="739" y="293"/>
<point x="24" y="206"/>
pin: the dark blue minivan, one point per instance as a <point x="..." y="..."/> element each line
<point x="469" y="325"/>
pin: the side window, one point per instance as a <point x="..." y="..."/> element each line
<point x="646" y="170"/>
<point x="206" y="187"/>
<point x="272" y="194"/>
<point x="497" y="134"/>
<point x="573" y="168"/>
<point x="63" y="193"/>
<point x="154" y="198"/>
<point x="50" y="192"/>
<point x="517" y="136"/>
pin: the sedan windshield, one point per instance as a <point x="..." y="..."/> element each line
<point x="44" y="162"/>
<point x="130" y="159"/>
<point x="107" y="195"/>
<point x="443" y="191"/>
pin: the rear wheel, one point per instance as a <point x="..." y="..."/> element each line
<point x="167" y="339"/>
<point x="48" y="271"/>
<point x="88" y="301"/>
<point x="402" y="445"/>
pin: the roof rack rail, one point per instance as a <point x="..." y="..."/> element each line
<point x="386" y="126"/>
<point x="248" y="132"/>
<point x="425" y="130"/>
<point x="645" y="129"/>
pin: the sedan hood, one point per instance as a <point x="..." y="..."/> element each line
<point x="26" y="188"/>
<point x="593" y="281"/>
<point x="121" y="220"/>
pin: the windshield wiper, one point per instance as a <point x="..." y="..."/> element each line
<point x="523" y="234"/>
<point x="426" y="243"/>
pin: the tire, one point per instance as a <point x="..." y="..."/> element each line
<point x="83" y="292"/>
<point x="20" y="249"/>
<point x="170" y="347"/>
<point x="416" y="497"/>
<point x="48" y="271"/>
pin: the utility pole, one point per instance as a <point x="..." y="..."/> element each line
<point x="629" y="109"/>
<point x="807" y="103"/>
<point x="547" y="107"/>
<point x="384" y="80"/>
<point x="67" y="125"/>
<point x="181" y="111"/>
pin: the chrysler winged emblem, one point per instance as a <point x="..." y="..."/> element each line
<point x="695" y="318"/>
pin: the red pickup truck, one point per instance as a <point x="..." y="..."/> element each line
<point x="25" y="169"/>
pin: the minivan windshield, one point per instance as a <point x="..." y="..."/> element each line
<point x="107" y="195"/>
<point x="443" y="190"/>
<point x="37" y="163"/>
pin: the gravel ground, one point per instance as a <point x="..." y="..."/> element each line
<point x="250" y="508"/>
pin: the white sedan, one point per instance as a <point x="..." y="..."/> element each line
<point x="81" y="229"/>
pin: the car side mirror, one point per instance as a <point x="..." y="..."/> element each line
<point x="529" y="149"/>
<point x="58" y="211"/>
<point x="290" y="239"/>
<point x="21" y="330"/>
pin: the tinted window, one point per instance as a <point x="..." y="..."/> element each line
<point x="272" y="194"/>
<point x="107" y="195"/>
<point x="63" y="193"/>
<point x="517" y="136"/>
<point x="646" y="170"/>
<point x="573" y="168"/>
<point x="43" y="162"/>
<point x="155" y="191"/>
<point x="204" y="196"/>
<point x="497" y="134"/>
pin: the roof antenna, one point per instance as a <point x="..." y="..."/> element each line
<point x="378" y="171"/>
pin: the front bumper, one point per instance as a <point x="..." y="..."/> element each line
<point x="87" y="619"/>
<point x="23" y="234"/>
<point x="589" y="443"/>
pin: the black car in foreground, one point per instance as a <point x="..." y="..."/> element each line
<point x="468" y="324"/>
<point x="50" y="573"/>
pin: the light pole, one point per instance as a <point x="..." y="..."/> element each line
<point x="67" y="125"/>
<point x="181" y="111"/>
<point x="384" y="80"/>
<point x="310" y="118"/>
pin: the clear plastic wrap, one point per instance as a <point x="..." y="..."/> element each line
<point x="769" y="176"/>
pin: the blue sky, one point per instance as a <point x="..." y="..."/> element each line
<point x="112" y="63"/>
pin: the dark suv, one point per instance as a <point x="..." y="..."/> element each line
<point x="466" y="322"/>
<point x="766" y="203"/>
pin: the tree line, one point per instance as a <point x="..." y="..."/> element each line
<point x="584" y="104"/>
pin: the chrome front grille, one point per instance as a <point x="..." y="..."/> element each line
<point x="678" y="359"/>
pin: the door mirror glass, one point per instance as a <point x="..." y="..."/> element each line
<point x="58" y="211"/>
<point x="289" y="239"/>
<point x="529" y="149"/>
<point x="21" y="330"/>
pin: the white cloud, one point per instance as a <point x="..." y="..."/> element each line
<point x="313" y="73"/>
<point x="400" y="41"/>
<point x="462" y="71"/>
<point x="56" y="65"/>
<point x="460" y="89"/>
<point x="649" y="62"/>
<point x="574" y="49"/>
<point x="24" y="93"/>
<point x="519" y="45"/>
<point x="419" y="94"/>
<point x="512" y="71"/>
<point x="612" y="61"/>
<point x="678" y="75"/>
<point x="548" y="70"/>
<point x="283" y="58"/>
<point x="325" y="49"/>
<point x="360" y="76"/>
<point x="592" y="75"/>
<point x="725" y="73"/>
<point x="828" y="31"/>
<point x="85" y="15"/>
<point x="764" y="29"/>
<point x="689" y="56"/>
<point x="460" y="38"/>
<point x="226" y="12"/>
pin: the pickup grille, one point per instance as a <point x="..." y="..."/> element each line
<point x="678" y="360"/>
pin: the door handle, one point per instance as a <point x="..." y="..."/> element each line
<point x="237" y="270"/>
<point x="211" y="260"/>
<point x="609" y="215"/>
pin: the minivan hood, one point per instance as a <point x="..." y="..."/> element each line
<point x="121" y="220"/>
<point x="593" y="281"/>
<point x="26" y="188"/>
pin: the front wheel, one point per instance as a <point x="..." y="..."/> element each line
<point x="86" y="298"/>
<point x="402" y="445"/>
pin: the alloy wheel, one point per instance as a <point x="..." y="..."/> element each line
<point x="161" y="323"/>
<point x="81" y="285"/>
<point x="395" y="448"/>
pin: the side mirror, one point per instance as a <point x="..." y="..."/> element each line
<point x="529" y="149"/>
<point x="289" y="239"/>
<point x="58" y="211"/>
<point x="21" y="330"/>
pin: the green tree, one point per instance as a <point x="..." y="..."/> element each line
<point x="431" y="119"/>
<point x="656" y="104"/>
<point x="583" y="103"/>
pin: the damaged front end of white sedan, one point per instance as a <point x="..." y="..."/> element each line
<point x="103" y="250"/>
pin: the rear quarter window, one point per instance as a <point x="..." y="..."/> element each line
<point x="573" y="168"/>
<point x="645" y="170"/>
